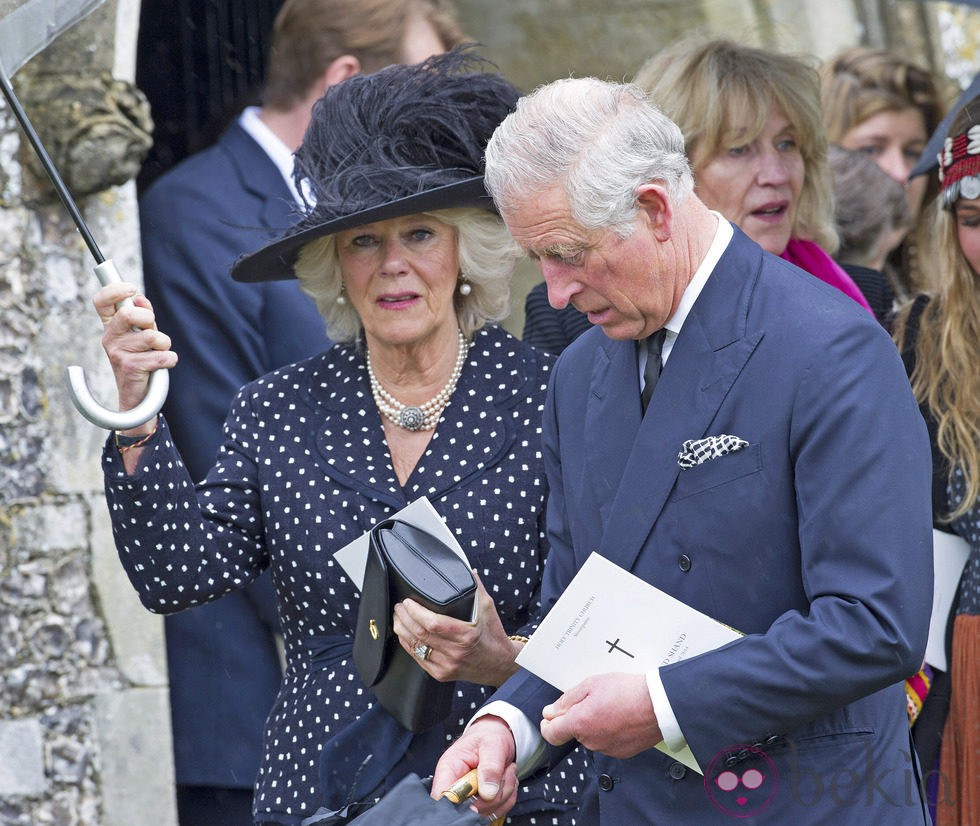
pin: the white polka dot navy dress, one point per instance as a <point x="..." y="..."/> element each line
<point x="303" y="471"/>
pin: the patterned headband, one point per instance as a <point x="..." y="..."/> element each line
<point x="959" y="167"/>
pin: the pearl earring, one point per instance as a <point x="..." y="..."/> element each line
<point x="341" y="299"/>
<point x="465" y="288"/>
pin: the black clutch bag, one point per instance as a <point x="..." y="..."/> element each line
<point x="404" y="561"/>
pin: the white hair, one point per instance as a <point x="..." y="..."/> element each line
<point x="600" y="141"/>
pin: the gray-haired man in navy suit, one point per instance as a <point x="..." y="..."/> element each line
<point x="777" y="481"/>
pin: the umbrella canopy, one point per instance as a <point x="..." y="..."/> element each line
<point x="928" y="163"/>
<point x="28" y="26"/>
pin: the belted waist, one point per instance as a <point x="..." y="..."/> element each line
<point x="327" y="650"/>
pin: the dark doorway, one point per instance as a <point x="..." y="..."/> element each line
<point x="199" y="62"/>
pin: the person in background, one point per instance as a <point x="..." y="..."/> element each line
<point x="422" y="394"/>
<point x="759" y="485"/>
<point x="940" y="342"/>
<point x="752" y="125"/>
<point x="195" y="221"/>
<point x="886" y="106"/>
<point x="872" y="215"/>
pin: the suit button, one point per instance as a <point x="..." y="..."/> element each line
<point x="684" y="563"/>
<point x="606" y="782"/>
<point x="677" y="771"/>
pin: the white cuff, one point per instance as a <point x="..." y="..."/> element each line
<point x="669" y="727"/>
<point x="527" y="738"/>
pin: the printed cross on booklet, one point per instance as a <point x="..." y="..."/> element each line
<point x="610" y="620"/>
<point x="614" y="646"/>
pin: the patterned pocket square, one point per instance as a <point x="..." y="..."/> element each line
<point x="697" y="451"/>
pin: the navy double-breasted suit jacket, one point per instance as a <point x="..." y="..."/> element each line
<point x="196" y="220"/>
<point x="814" y="541"/>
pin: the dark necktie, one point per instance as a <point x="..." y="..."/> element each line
<point x="651" y="372"/>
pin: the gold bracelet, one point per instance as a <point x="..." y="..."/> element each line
<point x="124" y="443"/>
<point x="518" y="638"/>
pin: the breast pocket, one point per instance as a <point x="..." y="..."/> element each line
<point x="719" y="471"/>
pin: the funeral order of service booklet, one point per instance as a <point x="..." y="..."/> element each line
<point x="611" y="620"/>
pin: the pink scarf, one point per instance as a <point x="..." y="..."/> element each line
<point x="808" y="256"/>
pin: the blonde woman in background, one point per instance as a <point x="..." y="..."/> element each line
<point x="751" y="120"/>
<point x="881" y="104"/>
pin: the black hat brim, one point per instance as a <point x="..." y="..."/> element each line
<point x="276" y="261"/>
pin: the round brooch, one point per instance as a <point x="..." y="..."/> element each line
<point x="411" y="418"/>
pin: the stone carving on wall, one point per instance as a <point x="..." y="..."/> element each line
<point x="97" y="129"/>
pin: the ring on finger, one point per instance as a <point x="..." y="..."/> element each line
<point x="422" y="651"/>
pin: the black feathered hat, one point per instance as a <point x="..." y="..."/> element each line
<point x="402" y="140"/>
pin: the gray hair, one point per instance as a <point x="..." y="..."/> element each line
<point x="870" y="203"/>
<point x="487" y="256"/>
<point x="598" y="140"/>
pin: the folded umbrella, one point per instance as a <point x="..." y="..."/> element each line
<point x="408" y="803"/>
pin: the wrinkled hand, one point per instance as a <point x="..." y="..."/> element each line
<point x="131" y="341"/>
<point x="609" y="713"/>
<point x="476" y="652"/>
<point x="487" y="746"/>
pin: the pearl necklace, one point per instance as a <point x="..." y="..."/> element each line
<point x="425" y="416"/>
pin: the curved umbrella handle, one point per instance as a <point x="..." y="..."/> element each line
<point x="85" y="403"/>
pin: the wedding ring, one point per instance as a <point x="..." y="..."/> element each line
<point x="422" y="651"/>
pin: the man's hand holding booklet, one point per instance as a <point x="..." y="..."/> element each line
<point x="610" y="620"/>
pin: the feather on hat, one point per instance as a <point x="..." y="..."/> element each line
<point x="403" y="140"/>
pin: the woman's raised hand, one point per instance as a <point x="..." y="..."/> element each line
<point x="131" y="341"/>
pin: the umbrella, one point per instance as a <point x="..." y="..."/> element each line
<point x="928" y="162"/>
<point x="408" y="803"/>
<point x="27" y="27"/>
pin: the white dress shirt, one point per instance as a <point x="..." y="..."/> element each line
<point x="272" y="145"/>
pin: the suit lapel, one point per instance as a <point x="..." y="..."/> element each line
<point x="261" y="178"/>
<point x="614" y="397"/>
<point x="707" y="357"/>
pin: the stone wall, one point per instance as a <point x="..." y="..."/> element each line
<point x="84" y="717"/>
<point x="84" y="723"/>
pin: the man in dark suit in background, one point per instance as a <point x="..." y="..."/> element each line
<point x="196" y="220"/>
<point x="777" y="481"/>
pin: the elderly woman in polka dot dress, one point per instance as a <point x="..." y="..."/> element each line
<point x="421" y="395"/>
